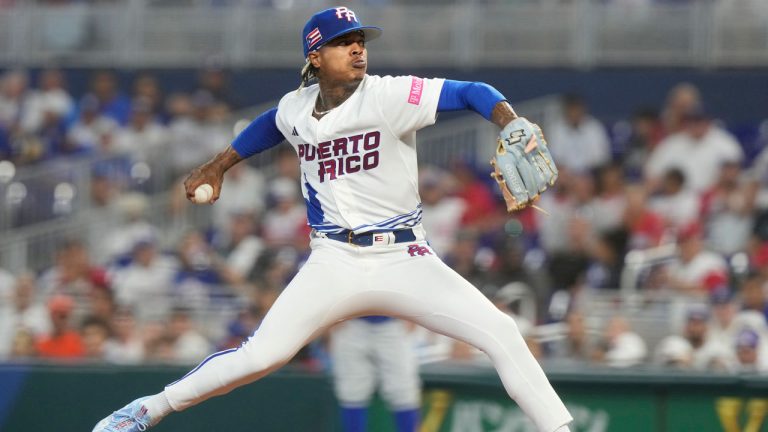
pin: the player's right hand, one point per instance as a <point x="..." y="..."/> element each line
<point x="207" y="173"/>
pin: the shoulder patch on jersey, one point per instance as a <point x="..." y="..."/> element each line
<point x="417" y="86"/>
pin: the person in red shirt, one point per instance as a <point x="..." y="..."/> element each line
<point x="63" y="342"/>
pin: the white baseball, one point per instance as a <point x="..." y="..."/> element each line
<point x="203" y="193"/>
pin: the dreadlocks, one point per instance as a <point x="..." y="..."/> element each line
<point x="308" y="73"/>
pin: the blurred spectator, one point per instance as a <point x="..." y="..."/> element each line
<point x="273" y="271"/>
<point x="241" y="328"/>
<point x="620" y="346"/>
<point x="646" y="132"/>
<point x="606" y="258"/>
<point x="728" y="208"/>
<point x="245" y="192"/>
<point x="143" y="138"/>
<point x="575" y="346"/>
<point x="758" y="174"/>
<point x="645" y="227"/>
<point x="699" y="150"/>
<point x="148" y="276"/>
<point x="202" y="275"/>
<point x="20" y="311"/>
<point x="101" y="304"/>
<point x="6" y="150"/>
<point x="674" y="351"/>
<point x="93" y="131"/>
<point x="723" y="325"/>
<point x="553" y="228"/>
<point x="579" y="143"/>
<point x="103" y="190"/>
<point x="63" y="342"/>
<point x="696" y="328"/>
<point x="699" y="271"/>
<point x="287" y="163"/>
<point x="126" y="346"/>
<point x="241" y="247"/>
<point x="750" y="353"/>
<point x="158" y="344"/>
<point x="610" y="203"/>
<point x="95" y="334"/>
<point x="13" y="97"/>
<point x="23" y="148"/>
<point x="286" y="219"/>
<point x="73" y="274"/>
<point x="117" y="244"/>
<point x="441" y="213"/>
<point x="112" y="103"/>
<point x="707" y="353"/>
<point x="754" y="296"/>
<point x="510" y="265"/>
<point x="189" y="345"/>
<point x="479" y="201"/>
<point x="509" y="299"/>
<point x="194" y="135"/>
<point x="215" y="81"/>
<point x="49" y="104"/>
<point x="681" y="99"/>
<point x="147" y="89"/>
<point x="23" y="346"/>
<point x="675" y="203"/>
<point x="464" y="258"/>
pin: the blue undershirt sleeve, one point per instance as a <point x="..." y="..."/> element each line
<point x="461" y="95"/>
<point x="260" y="135"/>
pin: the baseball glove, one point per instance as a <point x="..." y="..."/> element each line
<point x="522" y="166"/>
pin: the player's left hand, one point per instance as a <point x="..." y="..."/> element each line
<point x="523" y="165"/>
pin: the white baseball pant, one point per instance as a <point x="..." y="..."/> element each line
<point x="340" y="281"/>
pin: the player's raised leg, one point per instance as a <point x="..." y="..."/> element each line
<point x="452" y="306"/>
<point x="316" y="298"/>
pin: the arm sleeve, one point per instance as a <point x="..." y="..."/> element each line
<point x="260" y="135"/>
<point x="461" y="95"/>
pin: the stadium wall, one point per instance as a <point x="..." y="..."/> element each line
<point x="37" y="398"/>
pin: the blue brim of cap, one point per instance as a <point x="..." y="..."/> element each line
<point x="370" y="33"/>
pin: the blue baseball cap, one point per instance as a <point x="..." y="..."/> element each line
<point x="330" y="24"/>
<point x="747" y="338"/>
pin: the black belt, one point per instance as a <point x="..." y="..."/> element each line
<point x="366" y="239"/>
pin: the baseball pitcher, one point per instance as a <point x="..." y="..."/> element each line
<point x="355" y="138"/>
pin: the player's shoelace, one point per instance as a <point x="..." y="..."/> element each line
<point x="123" y="417"/>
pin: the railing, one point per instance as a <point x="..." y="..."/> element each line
<point x="584" y="33"/>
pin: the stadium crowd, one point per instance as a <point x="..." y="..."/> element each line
<point x="667" y="176"/>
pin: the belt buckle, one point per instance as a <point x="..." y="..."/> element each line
<point x="350" y="237"/>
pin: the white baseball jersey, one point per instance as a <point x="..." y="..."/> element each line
<point x="374" y="131"/>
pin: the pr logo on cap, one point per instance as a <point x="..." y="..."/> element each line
<point x="343" y="12"/>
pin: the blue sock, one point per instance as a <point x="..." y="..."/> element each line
<point x="354" y="419"/>
<point x="407" y="420"/>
